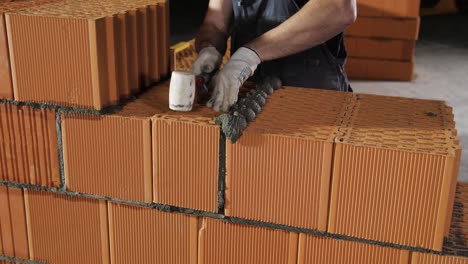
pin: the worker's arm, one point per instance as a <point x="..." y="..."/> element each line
<point x="317" y="22"/>
<point x="211" y="39"/>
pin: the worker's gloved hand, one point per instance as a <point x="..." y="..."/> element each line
<point x="228" y="81"/>
<point x="208" y="60"/>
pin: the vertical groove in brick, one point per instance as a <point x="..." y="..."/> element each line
<point x="142" y="26"/>
<point x="121" y="55"/>
<point x="153" y="42"/>
<point x="28" y="146"/>
<point x="329" y="251"/>
<point x="142" y="235"/>
<point x="186" y="169"/>
<point x="62" y="238"/>
<point x="6" y="85"/>
<point x="132" y="50"/>
<point x="163" y="24"/>
<point x="222" y="173"/>
<point x="107" y="156"/>
<point x="222" y="242"/>
<point x="13" y="228"/>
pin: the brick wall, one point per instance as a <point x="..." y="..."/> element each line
<point x="354" y="179"/>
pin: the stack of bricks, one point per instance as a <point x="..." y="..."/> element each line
<point x="382" y="41"/>
<point x="87" y="54"/>
<point x="358" y="179"/>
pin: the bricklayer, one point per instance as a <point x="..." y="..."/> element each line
<point x="115" y="48"/>
<point x="146" y="153"/>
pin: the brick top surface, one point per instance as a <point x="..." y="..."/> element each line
<point x="86" y="9"/>
<point x="154" y="104"/>
<point x="401" y="123"/>
<point x="8" y="6"/>
<point x="300" y="112"/>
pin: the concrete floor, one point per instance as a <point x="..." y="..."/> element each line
<point x="441" y="65"/>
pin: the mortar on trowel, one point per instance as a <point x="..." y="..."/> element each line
<point x="185" y="89"/>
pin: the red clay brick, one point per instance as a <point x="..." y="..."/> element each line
<point x="13" y="229"/>
<point x="226" y="243"/>
<point x="28" y="146"/>
<point x="391" y="28"/>
<point x="421" y="258"/>
<point x="385" y="49"/>
<point x="324" y="250"/>
<point x="393" y="172"/>
<point x="67" y="230"/>
<point x="145" y="153"/>
<point x="376" y="69"/>
<point x="142" y="235"/>
<point x="87" y="67"/>
<point x="6" y="85"/>
<point x="279" y="171"/>
<point x="388" y="8"/>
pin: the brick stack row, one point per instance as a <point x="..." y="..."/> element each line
<point x="87" y="54"/>
<point x="381" y="43"/>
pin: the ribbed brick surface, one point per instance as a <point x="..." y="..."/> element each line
<point x="391" y="28"/>
<point x="388" y="8"/>
<point x="67" y="230"/>
<point x="106" y="56"/>
<point x="13" y="229"/>
<point x="394" y="146"/>
<point x="108" y="156"/>
<point x="6" y="85"/>
<point x="146" y="153"/>
<point x="322" y="250"/>
<point x="142" y="235"/>
<point x="373" y="69"/>
<point x="386" y="49"/>
<point x="456" y="243"/>
<point x="279" y="171"/>
<point x="28" y="146"/>
<point x="420" y="258"/>
<point x="221" y="242"/>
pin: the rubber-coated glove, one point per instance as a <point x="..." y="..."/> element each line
<point x="228" y="81"/>
<point x="208" y="60"/>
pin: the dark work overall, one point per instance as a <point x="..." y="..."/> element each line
<point x="319" y="67"/>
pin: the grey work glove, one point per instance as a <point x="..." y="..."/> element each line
<point x="228" y="81"/>
<point x="208" y="60"/>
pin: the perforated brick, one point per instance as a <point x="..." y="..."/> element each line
<point x="28" y="146"/>
<point x="13" y="229"/>
<point x="395" y="171"/>
<point x="279" y="171"/>
<point x="222" y="242"/>
<point x="64" y="230"/>
<point x="107" y="56"/>
<point x="146" y="152"/>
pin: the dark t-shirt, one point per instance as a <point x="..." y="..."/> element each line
<point x="335" y="45"/>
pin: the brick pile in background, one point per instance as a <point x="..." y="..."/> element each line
<point x="381" y="43"/>
<point x="120" y="233"/>
<point x="112" y="49"/>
